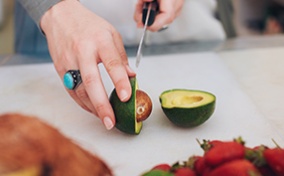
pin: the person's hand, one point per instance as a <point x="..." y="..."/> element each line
<point x="78" y="39"/>
<point x="168" y="11"/>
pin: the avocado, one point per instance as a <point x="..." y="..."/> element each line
<point x="187" y="108"/>
<point x="129" y="115"/>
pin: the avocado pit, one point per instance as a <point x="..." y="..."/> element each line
<point x="143" y="106"/>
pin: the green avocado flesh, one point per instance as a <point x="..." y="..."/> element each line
<point x="125" y="112"/>
<point x="187" y="108"/>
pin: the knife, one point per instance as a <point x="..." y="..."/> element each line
<point x="150" y="9"/>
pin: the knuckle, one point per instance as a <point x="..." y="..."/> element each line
<point x="123" y="54"/>
<point x="104" y="36"/>
<point x="112" y="64"/>
<point x="72" y="94"/>
<point x="100" y="108"/>
<point x="82" y="94"/>
<point x="89" y="79"/>
<point x="119" y="83"/>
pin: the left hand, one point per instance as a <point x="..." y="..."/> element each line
<point x="168" y="11"/>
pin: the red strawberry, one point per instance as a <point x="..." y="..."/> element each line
<point x="266" y="171"/>
<point x="207" y="144"/>
<point x="227" y="151"/>
<point x="184" y="171"/>
<point x="163" y="167"/>
<point x="200" y="166"/>
<point x="239" y="167"/>
<point x="214" y="143"/>
<point x="275" y="159"/>
<point x="255" y="155"/>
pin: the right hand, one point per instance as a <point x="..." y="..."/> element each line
<point x="79" y="39"/>
<point x="169" y="10"/>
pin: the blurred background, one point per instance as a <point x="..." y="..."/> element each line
<point x="240" y="18"/>
<point x="6" y="26"/>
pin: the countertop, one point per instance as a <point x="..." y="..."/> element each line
<point x="248" y="83"/>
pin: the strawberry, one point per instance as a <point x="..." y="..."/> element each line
<point x="207" y="144"/>
<point x="224" y="152"/>
<point x="163" y="167"/>
<point x="200" y="166"/>
<point x="275" y="159"/>
<point x="255" y="155"/>
<point x="241" y="167"/>
<point x="266" y="171"/>
<point x="184" y="171"/>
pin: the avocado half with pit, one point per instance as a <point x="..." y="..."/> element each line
<point x="187" y="108"/>
<point x="129" y="115"/>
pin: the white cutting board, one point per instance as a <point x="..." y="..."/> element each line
<point x="37" y="90"/>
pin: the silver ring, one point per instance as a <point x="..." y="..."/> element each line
<point x="163" y="28"/>
<point x="72" y="79"/>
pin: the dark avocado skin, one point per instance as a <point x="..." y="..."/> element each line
<point x="125" y="111"/>
<point x="190" y="117"/>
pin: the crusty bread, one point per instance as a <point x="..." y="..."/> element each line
<point x="27" y="142"/>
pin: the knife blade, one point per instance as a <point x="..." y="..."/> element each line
<point x="149" y="12"/>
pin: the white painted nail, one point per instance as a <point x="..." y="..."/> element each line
<point x="123" y="95"/>
<point x="108" y="123"/>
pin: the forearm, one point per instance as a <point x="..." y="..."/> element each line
<point x="37" y="8"/>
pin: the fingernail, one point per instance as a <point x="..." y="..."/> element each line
<point x="123" y="95"/>
<point x="108" y="123"/>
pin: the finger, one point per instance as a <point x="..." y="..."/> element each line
<point x="161" y="21"/>
<point x="138" y="12"/>
<point x="73" y="94"/>
<point x="85" y="99"/>
<point x="116" y="69"/>
<point x="62" y="65"/>
<point x="120" y="47"/>
<point x="121" y="50"/>
<point x="94" y="87"/>
<point x="169" y="10"/>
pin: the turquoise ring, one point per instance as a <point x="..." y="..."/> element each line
<point x="72" y="79"/>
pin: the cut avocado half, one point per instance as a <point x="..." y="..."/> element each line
<point x="126" y="113"/>
<point x="187" y="108"/>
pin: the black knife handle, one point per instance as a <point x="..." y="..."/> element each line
<point x="153" y="12"/>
